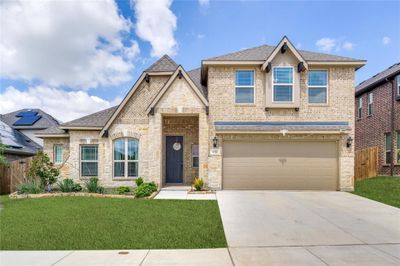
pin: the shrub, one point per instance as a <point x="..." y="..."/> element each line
<point x="198" y="184"/>
<point x="123" y="190"/>
<point x="139" y="181"/>
<point x="92" y="186"/>
<point x="30" y="187"/>
<point x="145" y="189"/>
<point x="42" y="167"/>
<point x="3" y="160"/>
<point x="68" y="185"/>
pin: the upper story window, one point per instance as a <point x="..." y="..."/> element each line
<point x="359" y="107"/>
<point x="89" y="160"/>
<point x="282" y="84"/>
<point x="57" y="154"/>
<point x="370" y="102"/>
<point x="318" y="87"/>
<point x="244" y="87"/>
<point x="126" y="158"/>
<point x="398" y="85"/>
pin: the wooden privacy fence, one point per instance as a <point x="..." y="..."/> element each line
<point x="366" y="163"/>
<point x="13" y="174"/>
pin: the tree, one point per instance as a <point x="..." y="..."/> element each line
<point x="43" y="168"/>
<point x="3" y="160"/>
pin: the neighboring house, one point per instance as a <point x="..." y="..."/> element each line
<point x="378" y="118"/>
<point x="29" y="122"/>
<point x="17" y="145"/>
<point x="269" y="117"/>
<point x="17" y="131"/>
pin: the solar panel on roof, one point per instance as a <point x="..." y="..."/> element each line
<point x="27" y="113"/>
<point x="27" y="120"/>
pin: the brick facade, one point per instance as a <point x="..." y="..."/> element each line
<point x="370" y="130"/>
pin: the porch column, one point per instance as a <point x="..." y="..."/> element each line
<point x="203" y="147"/>
<point x="155" y="149"/>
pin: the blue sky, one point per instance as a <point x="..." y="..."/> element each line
<point x="190" y="31"/>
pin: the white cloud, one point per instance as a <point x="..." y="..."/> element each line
<point x="156" y="23"/>
<point x="63" y="105"/>
<point x="386" y="40"/>
<point x="204" y="3"/>
<point x="71" y="43"/>
<point x="200" y="36"/>
<point x="327" y="45"/>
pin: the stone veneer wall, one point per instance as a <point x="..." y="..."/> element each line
<point x="48" y="148"/>
<point x="188" y="127"/>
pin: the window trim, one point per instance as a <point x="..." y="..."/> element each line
<point x="197" y="156"/>
<point x="319" y="86"/>
<point x="126" y="161"/>
<point x="88" y="161"/>
<point x="55" y="154"/>
<point x="245" y="86"/>
<point x="386" y="150"/>
<point x="359" y="107"/>
<point x="398" y="85"/>
<point x="370" y="101"/>
<point x="282" y="84"/>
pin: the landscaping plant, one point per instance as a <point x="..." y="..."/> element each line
<point x="43" y="168"/>
<point x="139" y="181"/>
<point x="3" y="160"/>
<point x="68" y="185"/>
<point x="92" y="185"/>
<point x="198" y="184"/>
<point x="123" y="190"/>
<point x="145" y="190"/>
<point x="30" y="187"/>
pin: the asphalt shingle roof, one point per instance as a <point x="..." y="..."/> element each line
<point x="392" y="70"/>
<point x="195" y="75"/>
<point x="45" y="121"/>
<point x="262" y="52"/>
<point x="98" y="119"/>
<point x="15" y="141"/>
<point x="164" y="64"/>
<point x="52" y="131"/>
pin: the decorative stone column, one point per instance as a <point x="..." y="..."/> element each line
<point x="203" y="147"/>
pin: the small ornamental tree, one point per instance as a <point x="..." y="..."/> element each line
<point x="3" y="160"/>
<point x="43" y="168"/>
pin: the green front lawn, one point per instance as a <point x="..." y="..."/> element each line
<point x="106" y="223"/>
<point x="385" y="189"/>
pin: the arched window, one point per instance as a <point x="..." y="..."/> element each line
<point x="126" y="158"/>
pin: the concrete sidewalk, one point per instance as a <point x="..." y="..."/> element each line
<point x="354" y="255"/>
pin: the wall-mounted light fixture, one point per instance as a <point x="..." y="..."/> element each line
<point x="215" y="142"/>
<point x="349" y="142"/>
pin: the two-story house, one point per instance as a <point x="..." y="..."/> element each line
<point x="269" y="117"/>
<point x="377" y="103"/>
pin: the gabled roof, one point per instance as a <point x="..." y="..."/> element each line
<point x="378" y="79"/>
<point x="44" y="122"/>
<point x="195" y="76"/>
<point x="164" y="64"/>
<point x="16" y="142"/>
<point x="95" y="120"/>
<point x="166" y="86"/>
<point x="261" y="53"/>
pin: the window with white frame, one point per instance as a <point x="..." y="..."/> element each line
<point x="318" y="87"/>
<point x="370" y="102"/>
<point x="195" y="156"/>
<point x="89" y="160"/>
<point x="244" y="87"/>
<point x="388" y="148"/>
<point x="359" y="107"/>
<point x="398" y="85"/>
<point x="58" y="153"/>
<point x="282" y="87"/>
<point x="126" y="158"/>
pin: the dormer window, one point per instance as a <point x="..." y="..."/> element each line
<point x="244" y="87"/>
<point x="282" y="87"/>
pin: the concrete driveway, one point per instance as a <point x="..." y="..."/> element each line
<point x="310" y="228"/>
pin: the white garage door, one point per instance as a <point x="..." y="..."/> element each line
<point x="289" y="165"/>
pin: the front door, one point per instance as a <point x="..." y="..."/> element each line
<point x="174" y="159"/>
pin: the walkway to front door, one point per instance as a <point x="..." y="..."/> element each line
<point x="174" y="159"/>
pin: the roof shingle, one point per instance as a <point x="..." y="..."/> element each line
<point x="45" y="121"/>
<point x="392" y="70"/>
<point x="98" y="119"/>
<point x="164" y="64"/>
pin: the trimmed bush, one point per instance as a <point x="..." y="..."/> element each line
<point x="145" y="189"/>
<point x="31" y="187"/>
<point x="92" y="186"/>
<point x="123" y="190"/>
<point x="139" y="181"/>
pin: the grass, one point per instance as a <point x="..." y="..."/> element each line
<point x="105" y="223"/>
<point x="385" y="189"/>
